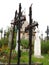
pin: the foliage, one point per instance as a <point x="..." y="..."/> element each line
<point x="24" y="43"/>
<point x="44" y="61"/>
<point x="0" y="43"/>
<point x="4" y="41"/>
<point x="45" y="46"/>
<point x="25" y="58"/>
<point x="7" y="34"/>
<point x="6" y="51"/>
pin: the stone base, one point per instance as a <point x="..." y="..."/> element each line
<point x="39" y="56"/>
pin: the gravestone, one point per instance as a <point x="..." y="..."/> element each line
<point x="10" y="38"/>
<point x="37" y="44"/>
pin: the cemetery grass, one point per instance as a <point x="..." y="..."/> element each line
<point x="25" y="58"/>
<point x="44" y="61"/>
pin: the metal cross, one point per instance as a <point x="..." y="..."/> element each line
<point x="30" y="27"/>
<point x="18" y="21"/>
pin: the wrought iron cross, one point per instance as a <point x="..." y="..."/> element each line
<point x="29" y="28"/>
<point x="18" y="21"/>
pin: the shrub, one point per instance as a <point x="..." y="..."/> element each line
<point x="0" y="44"/>
<point x="45" y="46"/>
<point x="24" y="43"/>
<point x="4" y="41"/>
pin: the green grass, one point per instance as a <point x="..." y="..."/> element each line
<point x="44" y="60"/>
<point x="25" y="58"/>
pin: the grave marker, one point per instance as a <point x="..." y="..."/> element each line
<point x="29" y="28"/>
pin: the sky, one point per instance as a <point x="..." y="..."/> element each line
<point x="40" y="12"/>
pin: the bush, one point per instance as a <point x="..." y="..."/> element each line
<point x="25" y="43"/>
<point x="4" y="41"/>
<point x="0" y="44"/>
<point x="45" y="46"/>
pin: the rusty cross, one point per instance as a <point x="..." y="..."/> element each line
<point x="29" y="28"/>
<point x="18" y="21"/>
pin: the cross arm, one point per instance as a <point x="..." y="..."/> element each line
<point x="31" y="26"/>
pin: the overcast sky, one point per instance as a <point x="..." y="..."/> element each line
<point x="40" y="12"/>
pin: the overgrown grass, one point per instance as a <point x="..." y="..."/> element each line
<point x="25" y="58"/>
<point x="44" y="60"/>
<point x="25" y="55"/>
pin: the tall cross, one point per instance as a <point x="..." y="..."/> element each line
<point x="18" y="21"/>
<point x="29" y="28"/>
<point x="12" y="38"/>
